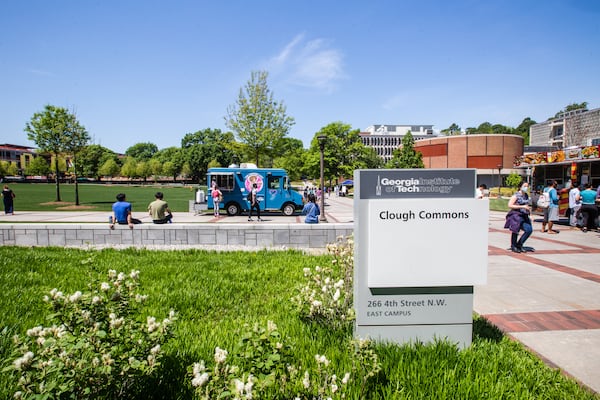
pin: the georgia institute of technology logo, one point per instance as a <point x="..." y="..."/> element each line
<point x="392" y="185"/>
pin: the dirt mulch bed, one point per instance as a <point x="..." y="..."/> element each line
<point x="68" y="206"/>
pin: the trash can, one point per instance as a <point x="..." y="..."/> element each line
<point x="200" y="196"/>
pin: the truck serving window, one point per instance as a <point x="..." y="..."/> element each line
<point x="225" y="181"/>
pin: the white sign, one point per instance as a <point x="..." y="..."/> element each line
<point x="420" y="242"/>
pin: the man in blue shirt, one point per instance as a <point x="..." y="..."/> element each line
<point x="122" y="213"/>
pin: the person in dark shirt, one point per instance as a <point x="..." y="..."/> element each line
<point x="7" y="197"/>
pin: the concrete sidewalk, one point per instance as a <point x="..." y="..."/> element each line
<point x="337" y="209"/>
<point x="548" y="300"/>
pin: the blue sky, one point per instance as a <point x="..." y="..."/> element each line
<point x="152" y="71"/>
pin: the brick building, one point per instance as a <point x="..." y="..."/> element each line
<point x="572" y="142"/>
<point x="492" y="155"/>
<point x="19" y="155"/>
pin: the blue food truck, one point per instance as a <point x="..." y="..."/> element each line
<point x="274" y="190"/>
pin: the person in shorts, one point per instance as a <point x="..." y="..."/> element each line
<point x="551" y="212"/>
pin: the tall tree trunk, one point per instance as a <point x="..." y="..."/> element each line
<point x="76" y="184"/>
<point x="57" y="176"/>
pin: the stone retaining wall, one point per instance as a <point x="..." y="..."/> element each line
<point x="301" y="236"/>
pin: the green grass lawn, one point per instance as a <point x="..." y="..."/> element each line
<point x="97" y="197"/>
<point x="215" y="294"/>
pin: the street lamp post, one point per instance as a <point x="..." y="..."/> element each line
<point x="322" y="139"/>
<point x="499" y="178"/>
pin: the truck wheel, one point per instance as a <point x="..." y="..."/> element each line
<point x="232" y="209"/>
<point x="288" y="209"/>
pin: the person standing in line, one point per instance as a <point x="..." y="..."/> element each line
<point x="8" y="199"/>
<point x="159" y="210"/>
<point x="253" y="200"/>
<point x="480" y="191"/>
<point x="518" y="219"/>
<point x="122" y="213"/>
<point x="589" y="210"/>
<point x="216" y="195"/>
<point x="311" y="210"/>
<point x="551" y="212"/>
<point x="575" y="205"/>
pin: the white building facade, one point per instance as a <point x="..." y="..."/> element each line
<point x="387" y="138"/>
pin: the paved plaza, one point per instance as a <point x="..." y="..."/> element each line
<point x="549" y="300"/>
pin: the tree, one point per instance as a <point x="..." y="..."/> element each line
<point x="292" y="157"/>
<point x="156" y="168"/>
<point x="55" y="130"/>
<point x="92" y="158"/>
<point x="172" y="159"/>
<point x="202" y="147"/>
<point x="8" y="168"/>
<point x="484" y="127"/>
<point x="342" y="154"/>
<point x="142" y="170"/>
<point x="38" y="166"/>
<point x="258" y="120"/>
<point x="406" y="156"/>
<point x="79" y="139"/>
<point x="109" y="168"/>
<point x="129" y="168"/>
<point x="453" y="129"/>
<point x="523" y="129"/>
<point x="142" y="151"/>
<point x="513" y="180"/>
<point x="12" y="169"/>
<point x="170" y="169"/>
<point x="572" y="107"/>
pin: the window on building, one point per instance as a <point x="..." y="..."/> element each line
<point x="595" y="142"/>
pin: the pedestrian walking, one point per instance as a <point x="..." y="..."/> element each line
<point x="8" y="199"/>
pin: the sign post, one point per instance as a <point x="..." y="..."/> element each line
<point x="421" y="242"/>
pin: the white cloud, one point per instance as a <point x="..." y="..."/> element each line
<point x="313" y="64"/>
<point x="40" y="72"/>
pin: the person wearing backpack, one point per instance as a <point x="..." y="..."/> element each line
<point x="551" y="212"/>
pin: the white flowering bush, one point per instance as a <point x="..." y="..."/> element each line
<point x="365" y="363"/>
<point x="327" y="294"/>
<point x="258" y="367"/>
<point x="323" y="383"/>
<point x="95" y="347"/>
<point x="261" y="367"/>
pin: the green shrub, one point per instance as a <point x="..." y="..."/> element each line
<point x="95" y="346"/>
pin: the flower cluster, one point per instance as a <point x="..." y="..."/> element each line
<point x="261" y="367"/>
<point x="222" y="380"/>
<point x="323" y="384"/>
<point x="326" y="295"/>
<point x="257" y="368"/>
<point x="365" y="362"/>
<point x="94" y="345"/>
